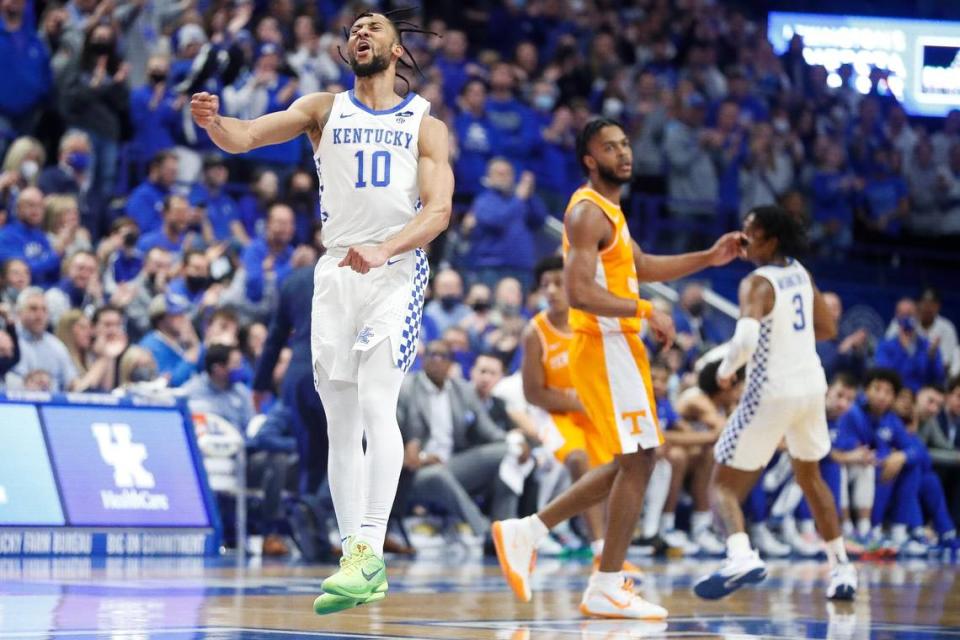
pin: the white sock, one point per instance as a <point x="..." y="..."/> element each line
<point x="658" y="490"/>
<point x="700" y="521"/>
<point x="863" y="527"/>
<point x="847" y="528"/>
<point x="836" y="552"/>
<point x="668" y="522"/>
<point x="597" y="547"/>
<point x="537" y="529"/>
<point x="738" y="545"/>
<point x="898" y="533"/>
<point x="345" y="458"/>
<point x="807" y="526"/>
<point x="948" y="535"/>
<point x="378" y="386"/>
<point x="606" y="581"/>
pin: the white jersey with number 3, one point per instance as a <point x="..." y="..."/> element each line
<point x="786" y="363"/>
<point x="367" y="166"/>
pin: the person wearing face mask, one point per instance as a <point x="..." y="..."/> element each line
<point x="95" y="99"/>
<point x="219" y="389"/>
<point x="137" y="366"/>
<point x="21" y="165"/>
<point x="195" y="283"/>
<point x="502" y="226"/>
<point x="155" y="107"/>
<point x="72" y="174"/>
<point x="25" y="84"/>
<point x="447" y="309"/>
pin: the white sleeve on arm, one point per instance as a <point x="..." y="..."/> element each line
<point x="741" y="346"/>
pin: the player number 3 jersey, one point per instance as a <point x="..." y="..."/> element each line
<point x="367" y="168"/>
<point x="786" y="361"/>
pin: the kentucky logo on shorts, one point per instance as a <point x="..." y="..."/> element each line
<point x="365" y="335"/>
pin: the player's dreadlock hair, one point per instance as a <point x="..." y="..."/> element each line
<point x="398" y="19"/>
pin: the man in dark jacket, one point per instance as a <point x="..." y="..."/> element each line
<point x="452" y="448"/>
<point x="290" y="327"/>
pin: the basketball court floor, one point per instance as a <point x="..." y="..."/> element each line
<point x="454" y="596"/>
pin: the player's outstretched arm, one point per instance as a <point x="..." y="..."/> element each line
<point x="653" y="268"/>
<point x="435" y="182"/>
<point x="756" y="300"/>
<point x="239" y="136"/>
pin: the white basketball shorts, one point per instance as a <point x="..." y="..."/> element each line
<point x="354" y="312"/>
<point x="758" y="424"/>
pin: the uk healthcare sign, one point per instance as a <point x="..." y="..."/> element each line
<point x="922" y="57"/>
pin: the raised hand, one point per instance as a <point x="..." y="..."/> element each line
<point x="204" y="107"/>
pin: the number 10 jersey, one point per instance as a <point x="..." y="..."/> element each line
<point x="367" y="168"/>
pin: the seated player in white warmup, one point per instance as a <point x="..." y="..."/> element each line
<point x="782" y="314"/>
<point x="386" y="190"/>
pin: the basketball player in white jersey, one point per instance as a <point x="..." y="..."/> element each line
<point x="385" y="191"/>
<point x="782" y="315"/>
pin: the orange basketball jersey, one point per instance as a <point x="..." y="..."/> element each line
<point x="556" y="359"/>
<point x="616" y="270"/>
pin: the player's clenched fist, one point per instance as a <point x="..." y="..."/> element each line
<point x="204" y="107"/>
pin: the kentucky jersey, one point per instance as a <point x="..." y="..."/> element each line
<point x="367" y="167"/>
<point x="786" y="362"/>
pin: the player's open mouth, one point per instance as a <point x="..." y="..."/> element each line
<point x="363" y="47"/>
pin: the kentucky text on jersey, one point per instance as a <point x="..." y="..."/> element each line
<point x="360" y="135"/>
<point x="792" y="280"/>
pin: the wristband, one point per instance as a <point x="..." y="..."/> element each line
<point x="644" y="309"/>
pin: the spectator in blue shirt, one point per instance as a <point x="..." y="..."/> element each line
<point x="222" y="210"/>
<point x="172" y="234"/>
<point x="155" y="112"/>
<point x="842" y="353"/>
<point x="515" y="122"/>
<point x="558" y="172"/>
<point x="27" y="77"/>
<point x="913" y="357"/>
<point x="25" y="238"/>
<point x="502" y="225"/>
<point x="173" y="341"/>
<point x="219" y="389"/>
<point x="694" y="318"/>
<point x="834" y="190"/>
<point x="884" y="203"/>
<point x="266" y="260"/>
<point x="874" y="432"/>
<point x="476" y="139"/>
<point x="145" y="204"/>
<point x="453" y="64"/>
<point x="195" y="284"/>
<point x="253" y="207"/>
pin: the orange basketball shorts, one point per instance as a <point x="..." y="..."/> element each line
<point x="611" y="374"/>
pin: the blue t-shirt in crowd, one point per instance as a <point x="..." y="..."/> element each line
<point x="31" y="245"/>
<point x="169" y="359"/>
<point x="477" y="139"/>
<point x="24" y="84"/>
<point x="830" y="200"/>
<point x="881" y="197"/>
<point x="504" y="235"/>
<point x="152" y="128"/>
<point x="222" y="210"/>
<point x="145" y="205"/>
<point x="518" y="133"/>
<point x="916" y="366"/>
<point x="253" y="257"/>
<point x="883" y="434"/>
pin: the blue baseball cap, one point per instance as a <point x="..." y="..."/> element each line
<point x="267" y="49"/>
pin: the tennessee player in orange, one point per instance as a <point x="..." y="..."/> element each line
<point x="565" y="429"/>
<point x="609" y="370"/>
